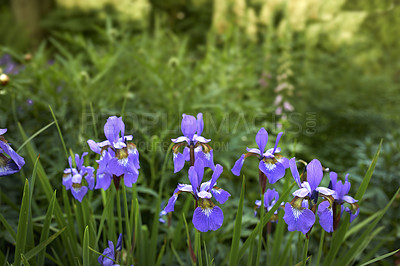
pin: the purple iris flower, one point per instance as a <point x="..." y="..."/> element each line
<point x="301" y="218"/>
<point x="9" y="66"/>
<point x="73" y="177"/>
<point x="192" y="129"/>
<point x="109" y="254"/>
<point x="207" y="216"/>
<point x="162" y="213"/>
<point x="118" y="156"/>
<point x="10" y="161"/>
<point x="272" y="164"/>
<point x="270" y="198"/>
<point x="340" y="197"/>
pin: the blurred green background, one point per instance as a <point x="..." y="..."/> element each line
<point x="325" y="72"/>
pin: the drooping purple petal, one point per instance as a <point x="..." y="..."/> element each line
<point x="200" y="124"/>
<point x="94" y="146"/>
<point x="207" y="157"/>
<point x="188" y="126"/>
<point x="12" y="165"/>
<point x="217" y="172"/>
<point x="301" y="193"/>
<point x="325" y="191"/>
<point x="171" y="203"/>
<point x="180" y="139"/>
<point x="283" y="160"/>
<point x="262" y="139"/>
<point x="130" y="178"/>
<point x="238" y="166"/>
<point x="79" y="192"/>
<point x="352" y="216"/>
<point x="67" y="179"/>
<point x="277" y="141"/>
<point x="295" y="172"/>
<point x="298" y="219"/>
<point x="273" y="171"/>
<point x="3" y="131"/>
<point x="220" y="195"/>
<point x="209" y="218"/>
<point x="314" y="173"/>
<point x="179" y="161"/>
<point x="325" y="214"/>
<point x="349" y="199"/>
<point x="270" y="196"/>
<point x="103" y="181"/>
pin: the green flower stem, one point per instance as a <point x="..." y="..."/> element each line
<point x="260" y="230"/>
<point x="305" y="250"/>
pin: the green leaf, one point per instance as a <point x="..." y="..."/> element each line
<point x="267" y="216"/>
<point x="8" y="227"/>
<point x="85" y="247"/>
<point x="24" y="260"/>
<point x="31" y="253"/>
<point x="233" y="260"/>
<point x="367" y="178"/>
<point x="358" y="245"/>
<point x="59" y="132"/>
<point x="46" y="228"/>
<point x="380" y="257"/>
<point x="22" y="225"/>
<point x="34" y="136"/>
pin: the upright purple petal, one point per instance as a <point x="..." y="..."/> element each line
<point x="274" y="172"/>
<point x="208" y="218"/>
<point x="119" y="243"/>
<point x="295" y="172"/>
<point x="298" y="219"/>
<point x="88" y="171"/>
<point x="112" y="129"/>
<point x="188" y="126"/>
<point x="333" y="177"/>
<point x="238" y="166"/>
<point x="262" y="139"/>
<point x="314" y="174"/>
<point x="277" y="141"/>
<point x="200" y="124"/>
<point x="325" y="214"/>
<point x="269" y="196"/>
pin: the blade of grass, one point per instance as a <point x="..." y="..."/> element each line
<point x="381" y="257"/>
<point x="34" y="136"/>
<point x="266" y="219"/>
<point x="8" y="227"/>
<point x="59" y="132"/>
<point x="356" y="248"/>
<point x="339" y="235"/>
<point x="22" y="225"/>
<point x="364" y="184"/>
<point x="321" y="243"/>
<point x="24" y="260"/>
<point x="260" y="231"/>
<point x="45" y="229"/>
<point x="42" y="245"/>
<point x="189" y="243"/>
<point x="233" y="260"/>
<point x="85" y="247"/>
<point x="276" y="249"/>
<point x="160" y="255"/>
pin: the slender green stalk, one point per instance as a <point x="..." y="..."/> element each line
<point x="305" y="250"/>
<point x="321" y="243"/>
<point x="119" y="211"/>
<point x="260" y="230"/>
<point x="197" y="247"/>
<point x="127" y="223"/>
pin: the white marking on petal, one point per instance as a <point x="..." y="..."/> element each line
<point x="269" y="166"/>
<point x="296" y="213"/>
<point x="207" y="211"/>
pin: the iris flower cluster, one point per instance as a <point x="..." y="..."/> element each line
<point x="73" y="177"/>
<point x="207" y="216"/>
<point x="10" y="161"/>
<point x="270" y="198"/>
<point x="272" y="165"/>
<point x="110" y="254"/>
<point x="300" y="212"/>
<point x="119" y="158"/>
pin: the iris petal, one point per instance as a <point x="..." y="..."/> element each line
<point x="208" y="218"/>
<point x="262" y="139"/>
<point x="273" y="171"/>
<point x="298" y="219"/>
<point x="325" y="214"/>
<point x="238" y="166"/>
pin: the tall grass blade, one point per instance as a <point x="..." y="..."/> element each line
<point x="42" y="245"/>
<point x="85" y="247"/>
<point x="233" y="257"/>
<point x="22" y="225"/>
<point x="380" y="258"/>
